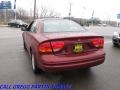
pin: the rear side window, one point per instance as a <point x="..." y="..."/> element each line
<point x="33" y="28"/>
<point x="62" y="26"/>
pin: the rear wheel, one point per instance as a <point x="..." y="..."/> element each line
<point x="18" y="26"/>
<point x="34" y="66"/>
<point x="87" y="69"/>
<point x="24" y="45"/>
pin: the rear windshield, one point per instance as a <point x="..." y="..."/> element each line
<point x="62" y="26"/>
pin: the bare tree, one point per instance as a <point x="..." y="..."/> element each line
<point x="22" y="14"/>
<point x="26" y="16"/>
<point x="37" y="13"/>
<point x="45" y="12"/>
<point x="10" y="14"/>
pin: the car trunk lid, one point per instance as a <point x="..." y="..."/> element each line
<point x="73" y="44"/>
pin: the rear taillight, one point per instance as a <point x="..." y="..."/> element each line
<point x="98" y="42"/>
<point x="57" y="45"/>
<point x="48" y="47"/>
<point x="45" y="47"/>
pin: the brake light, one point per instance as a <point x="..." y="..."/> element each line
<point x="57" y="45"/>
<point x="47" y="46"/>
<point x="98" y="42"/>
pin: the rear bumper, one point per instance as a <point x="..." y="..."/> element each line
<point x="57" y="68"/>
<point x="76" y="64"/>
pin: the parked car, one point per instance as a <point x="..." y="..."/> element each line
<point x="57" y="45"/>
<point x="17" y="23"/>
<point x="116" y="39"/>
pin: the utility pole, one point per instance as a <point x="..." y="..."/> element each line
<point x="34" y="10"/>
<point x="92" y="17"/>
<point x="5" y="15"/>
<point x="70" y="10"/>
<point x="15" y="9"/>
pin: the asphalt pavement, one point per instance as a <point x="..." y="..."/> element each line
<point x="15" y="66"/>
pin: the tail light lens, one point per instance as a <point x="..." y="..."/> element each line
<point x="47" y="46"/>
<point x="57" y="45"/>
<point x="98" y="42"/>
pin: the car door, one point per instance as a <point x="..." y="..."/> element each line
<point x="25" y="34"/>
<point x="30" y="34"/>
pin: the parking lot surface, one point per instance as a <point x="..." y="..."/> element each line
<point x="15" y="66"/>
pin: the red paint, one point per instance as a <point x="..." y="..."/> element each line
<point x="53" y="51"/>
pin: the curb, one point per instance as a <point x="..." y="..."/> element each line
<point x="3" y="25"/>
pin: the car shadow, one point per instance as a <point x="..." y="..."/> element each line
<point x="74" y="78"/>
<point x="117" y="46"/>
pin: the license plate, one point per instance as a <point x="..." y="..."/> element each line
<point x="78" y="48"/>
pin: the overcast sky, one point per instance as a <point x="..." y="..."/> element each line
<point x="103" y="9"/>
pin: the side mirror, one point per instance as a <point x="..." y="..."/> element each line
<point x="24" y="28"/>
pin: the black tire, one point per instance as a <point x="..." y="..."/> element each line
<point x="115" y="45"/>
<point x="24" y="45"/>
<point x="35" y="69"/>
<point x="18" y="26"/>
<point x="87" y="69"/>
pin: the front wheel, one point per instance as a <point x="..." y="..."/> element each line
<point x="115" y="45"/>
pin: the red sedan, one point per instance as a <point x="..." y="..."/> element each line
<point x="58" y="44"/>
